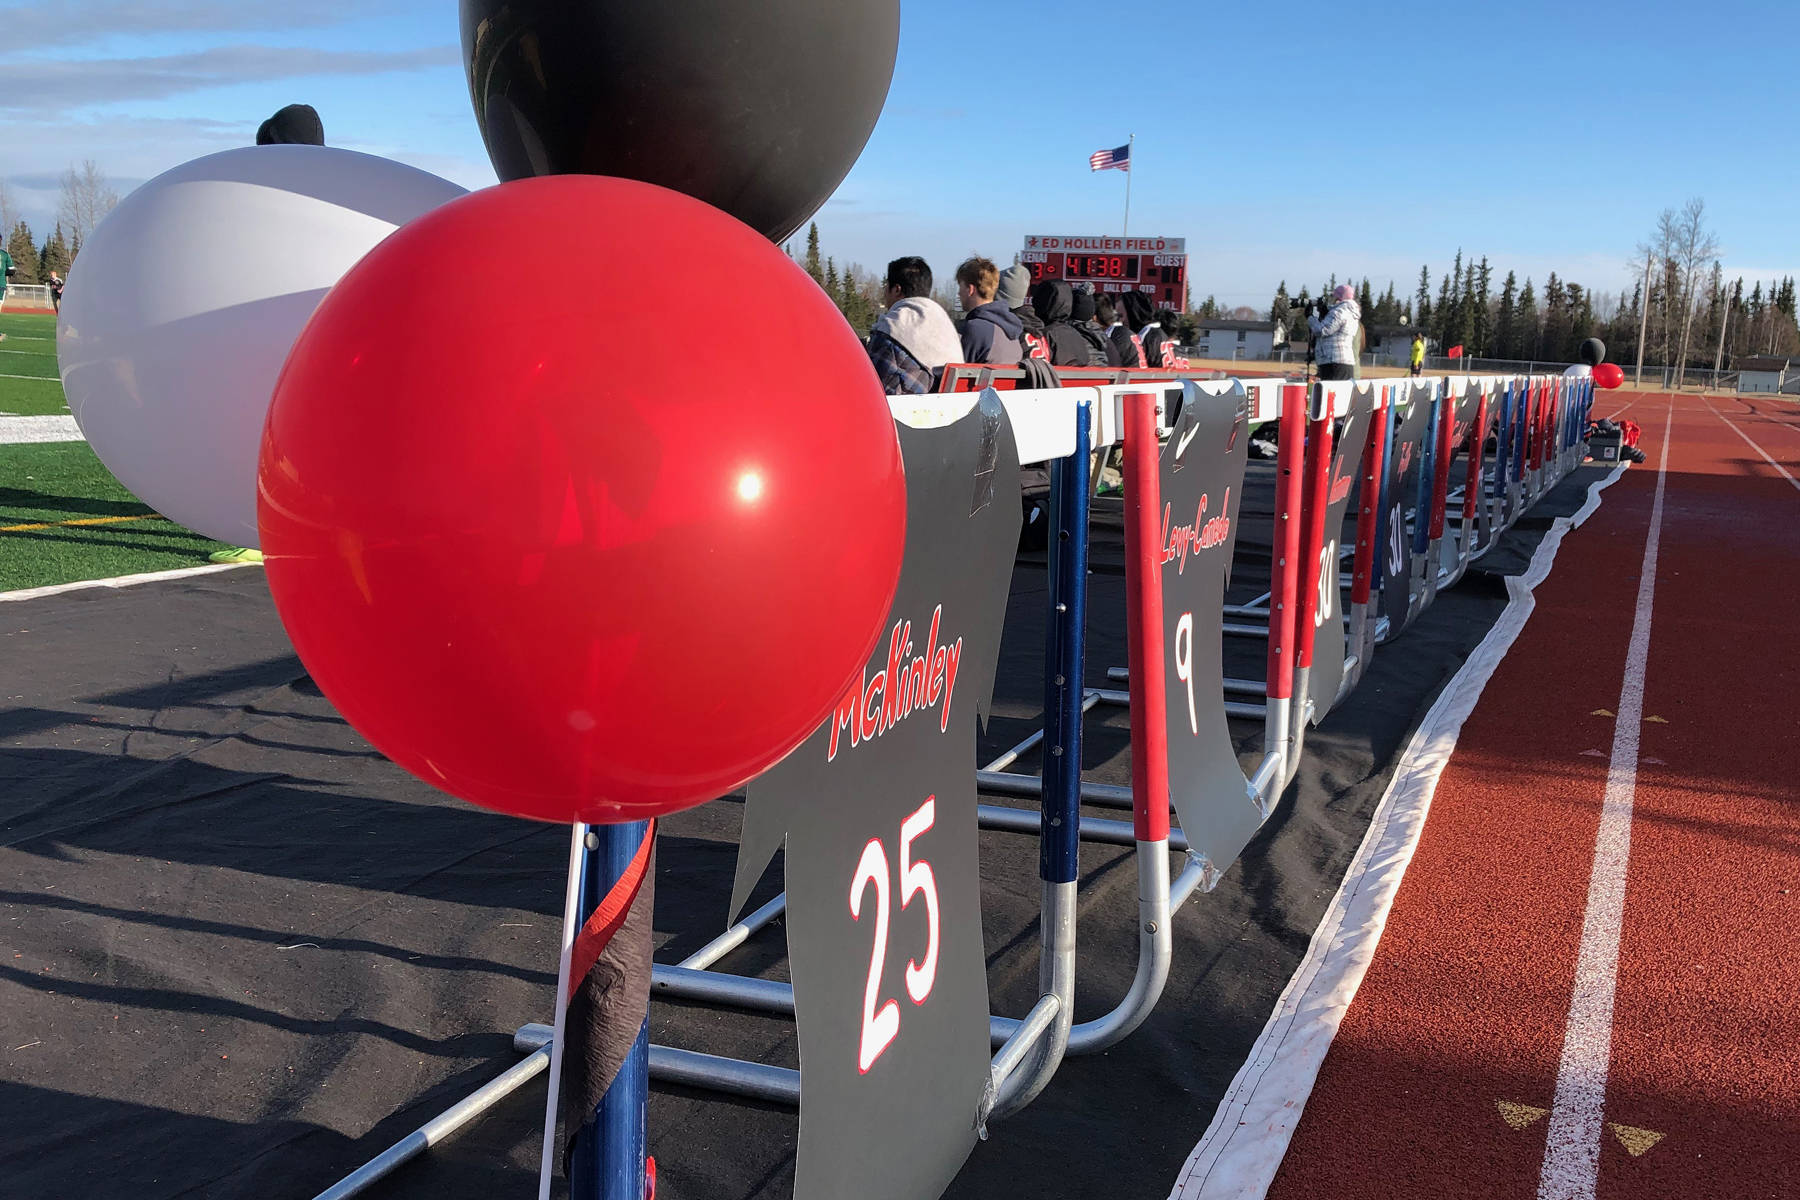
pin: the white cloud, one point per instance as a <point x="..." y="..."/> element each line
<point x="34" y="26"/>
<point x="57" y="85"/>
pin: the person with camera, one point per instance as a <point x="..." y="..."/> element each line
<point x="1335" y="329"/>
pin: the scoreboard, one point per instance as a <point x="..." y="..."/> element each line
<point x="1156" y="266"/>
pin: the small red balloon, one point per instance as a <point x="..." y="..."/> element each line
<point x="554" y="549"/>
<point x="1609" y="375"/>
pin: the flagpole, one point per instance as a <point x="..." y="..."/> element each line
<point x="1130" y="146"/>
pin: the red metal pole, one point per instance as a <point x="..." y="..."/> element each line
<point x="1477" y="447"/>
<point x="1363" y="569"/>
<point x="1283" y="573"/>
<point x="1537" y="420"/>
<point x="1318" y="493"/>
<point x="1440" y="475"/>
<point x="1145" y="653"/>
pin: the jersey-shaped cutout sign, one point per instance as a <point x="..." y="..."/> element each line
<point x="1407" y="457"/>
<point x="1450" y="553"/>
<point x="1328" y="633"/>
<point x="1484" y="507"/>
<point x="883" y="872"/>
<point x="1202" y="475"/>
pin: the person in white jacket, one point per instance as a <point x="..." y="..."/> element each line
<point x="1335" y="335"/>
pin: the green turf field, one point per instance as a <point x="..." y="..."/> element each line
<point x="63" y="517"/>
<point x="28" y="382"/>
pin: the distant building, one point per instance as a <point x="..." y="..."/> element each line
<point x="1762" y="373"/>
<point x="1392" y="344"/>
<point x="1219" y="337"/>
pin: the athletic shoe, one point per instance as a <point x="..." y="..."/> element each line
<point x="1263" y="448"/>
<point x="236" y="556"/>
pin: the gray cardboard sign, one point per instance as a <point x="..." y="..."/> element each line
<point x="1202" y="490"/>
<point x="882" y="870"/>
<point x="1408" y="453"/>
<point x="1328" y="631"/>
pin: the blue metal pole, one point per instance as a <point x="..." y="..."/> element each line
<point x="1523" y="418"/>
<point x="1428" y="477"/>
<point x="1382" y="532"/>
<point x="1060" y="846"/>
<point x="607" y="1160"/>
<point x="1503" y="442"/>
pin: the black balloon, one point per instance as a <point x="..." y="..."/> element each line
<point x="1593" y="352"/>
<point x="758" y="107"/>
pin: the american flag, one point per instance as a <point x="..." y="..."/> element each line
<point x="1118" y="159"/>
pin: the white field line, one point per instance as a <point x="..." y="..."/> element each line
<point x="39" y="378"/>
<point x="1729" y="425"/>
<point x="16" y="430"/>
<point x="1237" y="1157"/>
<point x="1578" y="1114"/>
<point x="122" y="581"/>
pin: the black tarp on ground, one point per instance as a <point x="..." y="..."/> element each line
<point x="243" y="952"/>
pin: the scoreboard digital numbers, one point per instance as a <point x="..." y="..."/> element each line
<point x="1156" y="266"/>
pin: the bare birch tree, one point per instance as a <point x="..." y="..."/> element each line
<point x="87" y="196"/>
<point x="9" y="207"/>
<point x="1693" y="249"/>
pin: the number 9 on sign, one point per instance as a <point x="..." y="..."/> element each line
<point x="1184" y="665"/>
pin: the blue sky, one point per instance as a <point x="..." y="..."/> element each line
<point x="1335" y="138"/>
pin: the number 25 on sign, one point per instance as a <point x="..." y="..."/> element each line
<point x="881" y="1022"/>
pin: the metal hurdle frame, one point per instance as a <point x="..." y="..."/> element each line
<point x="1131" y="416"/>
<point x="1540" y="421"/>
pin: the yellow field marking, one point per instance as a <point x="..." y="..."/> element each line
<point x="1654" y="721"/>
<point x="84" y="521"/>
<point x="1603" y="712"/>
<point x="1519" y="1116"/>
<point x="1636" y="1141"/>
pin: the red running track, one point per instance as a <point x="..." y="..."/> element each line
<point x="1443" y="1080"/>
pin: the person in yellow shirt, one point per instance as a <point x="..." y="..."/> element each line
<point x="1418" y="353"/>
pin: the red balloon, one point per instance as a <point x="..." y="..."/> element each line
<point x="1609" y="375"/>
<point x="550" y="547"/>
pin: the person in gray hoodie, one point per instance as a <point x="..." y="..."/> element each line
<point x="1334" y="335"/>
<point x="991" y="332"/>
<point x="915" y="338"/>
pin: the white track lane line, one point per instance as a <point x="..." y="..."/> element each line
<point x="1578" y="1114"/>
<point x="39" y="378"/>
<point x="1733" y="427"/>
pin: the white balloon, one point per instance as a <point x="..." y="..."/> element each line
<point x="1579" y="371"/>
<point x="184" y="302"/>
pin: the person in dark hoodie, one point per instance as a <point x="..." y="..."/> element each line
<point x="991" y="333"/>
<point x="1054" y="301"/>
<point x="295" y="125"/>
<point x="1140" y="316"/>
<point x="1015" y="293"/>
<point x="1130" y="350"/>
<point x="1101" y="351"/>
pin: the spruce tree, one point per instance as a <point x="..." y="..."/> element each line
<point x="1482" y="334"/>
<point x="831" y="281"/>
<point x="1526" y="345"/>
<point x="1423" y="301"/>
<point x="1506" y="320"/>
<point x="1366" y="300"/>
<point x="54" y="256"/>
<point x="812" y="265"/>
<point x="1278" y="311"/>
<point x="24" y="254"/>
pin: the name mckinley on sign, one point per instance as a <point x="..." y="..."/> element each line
<point x="1202" y="534"/>
<point x="906" y="685"/>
